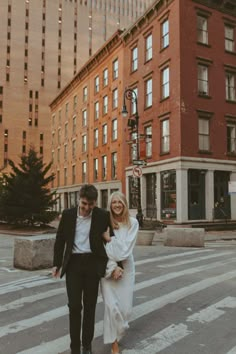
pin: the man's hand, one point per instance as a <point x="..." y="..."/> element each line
<point x="117" y="273"/>
<point x="106" y="235"/>
<point x="55" y="272"/>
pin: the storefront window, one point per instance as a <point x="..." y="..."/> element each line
<point x="168" y="194"/>
<point x="133" y="192"/>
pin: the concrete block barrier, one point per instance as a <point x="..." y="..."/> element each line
<point x="184" y="237"/>
<point x="145" y="237"/>
<point x="34" y="252"/>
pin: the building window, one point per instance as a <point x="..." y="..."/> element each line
<point x="105" y="104"/>
<point x="134" y="59"/>
<point x="203" y="134"/>
<point x="84" y="171"/>
<point x="104" y="167"/>
<point x="165" y="77"/>
<point x="230" y="86"/>
<point x="96" y="84"/>
<point x="114" y="129"/>
<point x="96" y="110"/>
<point x="66" y="109"/>
<point x="133" y="192"/>
<point x="231" y="138"/>
<point x="114" y="165"/>
<point x="59" y="117"/>
<point x="84" y="143"/>
<point x="104" y="134"/>
<point x="165" y="34"/>
<point x="66" y="131"/>
<point x="105" y="77"/>
<point x="65" y="176"/>
<point x="115" y="98"/>
<point x="165" y="136"/>
<point x="229" y="38"/>
<point x="133" y="103"/>
<point x="65" y="152"/>
<point x="133" y="147"/>
<point x="58" y="155"/>
<point x="84" y="117"/>
<point x="74" y="125"/>
<point x="59" y="136"/>
<point x="74" y="149"/>
<point x="168" y="194"/>
<point x="75" y="101"/>
<point x="58" y="178"/>
<point x="203" y="80"/>
<point x="148" y="89"/>
<point x="148" y="47"/>
<point x="85" y="94"/>
<point x="95" y="137"/>
<point x="115" y="69"/>
<point x="73" y="174"/>
<point x="148" y="137"/>
<point x="202" y="30"/>
<point x="95" y="169"/>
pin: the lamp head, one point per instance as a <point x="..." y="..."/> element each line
<point x="124" y="111"/>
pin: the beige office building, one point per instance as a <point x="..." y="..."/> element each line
<point x="43" y="43"/>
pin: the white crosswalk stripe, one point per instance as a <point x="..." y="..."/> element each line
<point x="218" y="267"/>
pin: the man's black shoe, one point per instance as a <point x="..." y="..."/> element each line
<point x="86" y="350"/>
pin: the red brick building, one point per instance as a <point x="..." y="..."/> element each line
<point x="87" y="133"/>
<point x="180" y="60"/>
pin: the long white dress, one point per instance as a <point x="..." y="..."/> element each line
<point x="118" y="294"/>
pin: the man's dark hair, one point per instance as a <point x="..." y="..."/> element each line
<point x="89" y="192"/>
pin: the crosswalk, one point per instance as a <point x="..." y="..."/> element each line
<point x="181" y="297"/>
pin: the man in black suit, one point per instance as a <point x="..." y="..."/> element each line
<point x="80" y="254"/>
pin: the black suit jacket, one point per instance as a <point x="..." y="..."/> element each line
<point x="66" y="235"/>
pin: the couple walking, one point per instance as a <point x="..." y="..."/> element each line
<point x="92" y="245"/>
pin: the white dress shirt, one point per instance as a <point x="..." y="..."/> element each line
<point x="82" y="230"/>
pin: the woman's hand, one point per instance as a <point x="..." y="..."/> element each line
<point x="117" y="273"/>
<point x="106" y="235"/>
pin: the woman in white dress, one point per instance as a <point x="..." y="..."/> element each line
<point x="118" y="285"/>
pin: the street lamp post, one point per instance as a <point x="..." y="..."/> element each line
<point x="133" y="123"/>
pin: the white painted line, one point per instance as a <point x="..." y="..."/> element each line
<point x="9" y="270"/>
<point x="31" y="284"/>
<point x="30" y="299"/>
<point x="138" y="311"/>
<point x="196" y="259"/>
<point x="173" y="333"/>
<point x="22" y="280"/>
<point x="42" y="280"/>
<point x="141" y="285"/>
<point x="232" y="351"/>
<point x="171" y="256"/>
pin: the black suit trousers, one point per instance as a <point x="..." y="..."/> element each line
<point x="82" y="284"/>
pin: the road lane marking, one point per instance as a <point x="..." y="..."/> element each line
<point x="138" y="311"/>
<point x="173" y="333"/>
<point x="196" y="259"/>
<point x="138" y="286"/>
<point x="43" y="280"/>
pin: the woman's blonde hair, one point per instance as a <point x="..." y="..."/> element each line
<point x="125" y="218"/>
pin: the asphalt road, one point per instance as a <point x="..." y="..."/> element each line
<point x="184" y="303"/>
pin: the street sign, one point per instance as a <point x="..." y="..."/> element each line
<point x="139" y="162"/>
<point x="137" y="171"/>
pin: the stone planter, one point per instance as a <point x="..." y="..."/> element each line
<point x="145" y="237"/>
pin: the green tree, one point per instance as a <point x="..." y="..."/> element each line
<point x="25" y="194"/>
